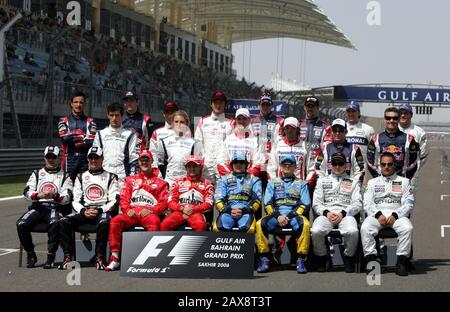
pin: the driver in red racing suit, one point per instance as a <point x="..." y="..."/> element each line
<point x="142" y="199"/>
<point x="190" y="198"/>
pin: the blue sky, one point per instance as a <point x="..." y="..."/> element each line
<point x="411" y="45"/>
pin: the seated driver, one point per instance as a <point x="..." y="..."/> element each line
<point x="238" y="196"/>
<point x="287" y="202"/>
<point x="189" y="198"/>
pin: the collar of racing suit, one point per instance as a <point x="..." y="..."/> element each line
<point x="240" y="175"/>
<point x="393" y="134"/>
<point x="350" y="126"/>
<point x="215" y="116"/>
<point x="314" y="119"/>
<point x="167" y="125"/>
<point x="286" y="179"/>
<point x="390" y="177"/>
<point x="55" y="170"/>
<point x="82" y="116"/>
<point x="116" y="129"/>
<point x="96" y="172"/>
<point x="149" y="175"/>
<point x="268" y="116"/>
<point x="342" y="176"/>
<point x="242" y="133"/>
<point x="196" y="179"/>
<point x="132" y="115"/>
<point x="291" y="142"/>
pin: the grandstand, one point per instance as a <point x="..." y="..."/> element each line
<point x="178" y="50"/>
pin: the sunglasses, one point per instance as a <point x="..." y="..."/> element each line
<point x="287" y="164"/>
<point x="337" y="163"/>
<point x="51" y="157"/>
<point x="94" y="157"/>
<point x="387" y="164"/>
<point x="391" y="117"/>
<point x="339" y="130"/>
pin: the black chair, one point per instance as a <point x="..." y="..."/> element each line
<point x="334" y="237"/>
<point x="84" y="228"/>
<point x="38" y="228"/>
<point x="389" y="233"/>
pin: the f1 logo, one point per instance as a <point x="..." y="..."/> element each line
<point x="182" y="252"/>
<point x="150" y="250"/>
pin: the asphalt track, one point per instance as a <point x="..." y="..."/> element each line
<point x="431" y="254"/>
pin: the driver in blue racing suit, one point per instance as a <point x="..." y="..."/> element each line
<point x="238" y="196"/>
<point x="287" y="202"/>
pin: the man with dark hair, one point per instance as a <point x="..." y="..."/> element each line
<point x="314" y="131"/>
<point x="165" y="131"/>
<point x="354" y="161"/>
<point x="77" y="133"/>
<point x="134" y="119"/>
<point x="337" y="199"/>
<point x="405" y="124"/>
<point x="120" y="146"/>
<point x="211" y="132"/>
<point x="394" y="141"/>
<point x="388" y="202"/>
<point x="266" y="127"/>
<point x="358" y="132"/>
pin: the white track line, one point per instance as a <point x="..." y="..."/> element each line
<point x="7" y="251"/>
<point x="11" y="198"/>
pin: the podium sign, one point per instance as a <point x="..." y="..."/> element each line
<point x="187" y="255"/>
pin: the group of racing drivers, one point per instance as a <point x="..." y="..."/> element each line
<point x="131" y="174"/>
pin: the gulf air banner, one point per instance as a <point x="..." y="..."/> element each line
<point x="279" y="107"/>
<point x="379" y="94"/>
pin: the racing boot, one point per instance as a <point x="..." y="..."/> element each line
<point x="263" y="265"/>
<point x="402" y="263"/>
<point x="67" y="260"/>
<point x="100" y="264"/>
<point x="50" y="263"/>
<point x="31" y="259"/>
<point x="114" y="264"/>
<point x="349" y="264"/>
<point x="301" y="267"/>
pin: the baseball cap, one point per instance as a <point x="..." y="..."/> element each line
<point x="353" y="105"/>
<point x="291" y="121"/>
<point x="130" y="95"/>
<point x="194" y="159"/>
<point x="145" y="153"/>
<point x="406" y="106"/>
<point x="265" y="99"/>
<point x="51" y="150"/>
<point x="95" y="151"/>
<point x="170" y="107"/>
<point x="339" y="122"/>
<point x="288" y="158"/>
<point x="218" y="95"/>
<point x="242" y="112"/>
<point x="312" y="99"/>
<point x="339" y="157"/>
<point x="238" y="156"/>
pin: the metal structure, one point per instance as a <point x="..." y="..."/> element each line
<point x="229" y="21"/>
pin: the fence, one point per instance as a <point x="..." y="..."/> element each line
<point x="20" y="161"/>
